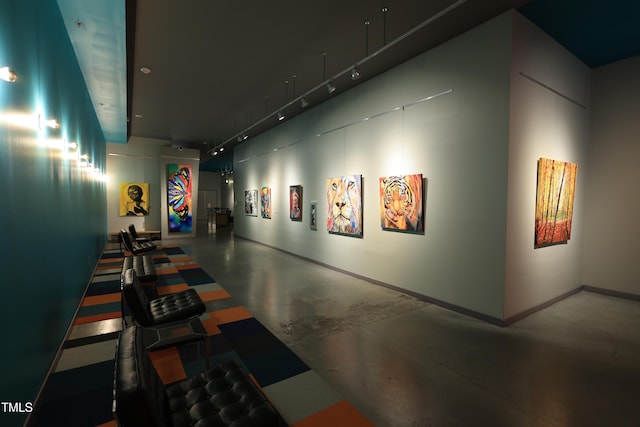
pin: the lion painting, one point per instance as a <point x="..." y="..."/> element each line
<point x="344" y="205"/>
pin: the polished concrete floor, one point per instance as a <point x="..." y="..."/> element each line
<point x="404" y="362"/>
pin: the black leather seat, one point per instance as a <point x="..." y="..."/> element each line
<point x="165" y="309"/>
<point x="143" y="265"/>
<point x="135" y="248"/>
<point x="145" y="269"/>
<point x="220" y="396"/>
<point x="134" y="235"/>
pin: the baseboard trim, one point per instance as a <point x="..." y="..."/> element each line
<point x="419" y="296"/>
<point x="612" y="293"/>
<point x="517" y="317"/>
<point x="465" y="311"/>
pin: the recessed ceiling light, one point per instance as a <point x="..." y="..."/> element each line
<point x="139" y="116"/>
<point x="145" y="70"/>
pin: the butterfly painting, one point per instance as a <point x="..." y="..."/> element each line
<point x="179" y="198"/>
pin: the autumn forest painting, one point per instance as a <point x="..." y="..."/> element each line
<point x="554" y="202"/>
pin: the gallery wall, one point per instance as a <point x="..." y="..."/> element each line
<point x="388" y="126"/>
<point x="144" y="160"/>
<point x="612" y="229"/>
<point x="54" y="216"/>
<point x="137" y="161"/>
<point x="550" y="108"/>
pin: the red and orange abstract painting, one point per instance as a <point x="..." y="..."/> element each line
<point x="554" y="202"/>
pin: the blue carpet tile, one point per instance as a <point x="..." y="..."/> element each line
<point x="79" y="390"/>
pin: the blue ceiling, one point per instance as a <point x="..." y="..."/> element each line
<point x="97" y="30"/>
<point x="598" y="32"/>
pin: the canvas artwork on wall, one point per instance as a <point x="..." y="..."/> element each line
<point x="554" y="202"/>
<point x="401" y="203"/>
<point x="265" y="202"/>
<point x="313" y="218"/>
<point x="295" y="202"/>
<point x="134" y="199"/>
<point x="251" y="202"/>
<point x="344" y="205"/>
<point x="179" y="198"/>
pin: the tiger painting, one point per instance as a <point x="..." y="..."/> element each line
<point x="401" y="203"/>
<point x="344" y="205"/>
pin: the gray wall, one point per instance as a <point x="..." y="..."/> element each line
<point x="458" y="141"/>
<point x="550" y="119"/>
<point x="145" y="160"/>
<point x="612" y="230"/>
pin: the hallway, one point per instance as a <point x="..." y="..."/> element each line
<point x="405" y="362"/>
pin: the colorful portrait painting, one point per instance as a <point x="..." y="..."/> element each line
<point x="251" y="202"/>
<point x="401" y="203"/>
<point x="344" y="205"/>
<point x="295" y="202"/>
<point x="554" y="202"/>
<point x="265" y="202"/>
<point x="179" y="198"/>
<point x="134" y="199"/>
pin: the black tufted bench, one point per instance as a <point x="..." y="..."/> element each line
<point x="220" y="396"/>
<point x="167" y="308"/>
<point x="135" y="248"/>
<point x="145" y="269"/>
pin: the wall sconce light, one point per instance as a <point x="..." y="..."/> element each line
<point x="8" y="75"/>
<point x="51" y="123"/>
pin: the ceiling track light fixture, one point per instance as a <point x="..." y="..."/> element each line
<point x="366" y="37"/>
<point x="215" y="151"/>
<point x="384" y="25"/>
<point x="8" y="75"/>
<point x="328" y="83"/>
<point x="280" y="116"/>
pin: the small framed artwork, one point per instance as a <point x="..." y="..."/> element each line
<point x="344" y="205"/>
<point x="401" y="203"/>
<point x="265" y="202"/>
<point x="134" y="199"/>
<point x="554" y="202"/>
<point x="312" y="215"/>
<point x="295" y="202"/>
<point x="251" y="202"/>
